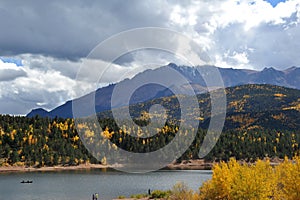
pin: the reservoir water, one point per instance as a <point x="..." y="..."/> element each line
<point x="80" y="185"/>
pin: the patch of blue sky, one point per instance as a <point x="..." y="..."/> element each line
<point x="16" y="61"/>
<point x="275" y="2"/>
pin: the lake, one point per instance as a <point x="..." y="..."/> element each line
<point x="81" y="184"/>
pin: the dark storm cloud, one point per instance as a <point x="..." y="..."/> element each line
<point x="70" y="29"/>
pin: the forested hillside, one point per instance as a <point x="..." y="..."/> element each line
<point x="262" y="121"/>
<point x="40" y="142"/>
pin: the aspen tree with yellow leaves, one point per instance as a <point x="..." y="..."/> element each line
<point x="235" y="181"/>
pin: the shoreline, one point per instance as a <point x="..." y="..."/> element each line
<point x="199" y="164"/>
<point x="185" y="165"/>
<point x="12" y="169"/>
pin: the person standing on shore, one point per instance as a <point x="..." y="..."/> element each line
<point x="96" y="196"/>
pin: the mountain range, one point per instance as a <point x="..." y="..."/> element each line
<point x="231" y="77"/>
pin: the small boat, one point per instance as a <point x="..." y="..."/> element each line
<point x="26" y="181"/>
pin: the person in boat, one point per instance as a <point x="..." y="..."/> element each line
<point x="26" y="181"/>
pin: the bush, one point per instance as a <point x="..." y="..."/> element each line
<point x="180" y="191"/>
<point x="159" y="194"/>
<point x="233" y="180"/>
<point x="288" y="179"/>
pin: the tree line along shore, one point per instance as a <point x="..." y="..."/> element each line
<point x="43" y="142"/>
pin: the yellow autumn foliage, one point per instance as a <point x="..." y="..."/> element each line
<point x="288" y="174"/>
<point x="106" y="134"/>
<point x="279" y="95"/>
<point x="261" y="181"/>
<point x="75" y="138"/>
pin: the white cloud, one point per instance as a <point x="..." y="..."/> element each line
<point x="267" y="35"/>
<point x="10" y="71"/>
<point x="233" y="60"/>
<point x="242" y="33"/>
<point x="240" y="57"/>
<point x="251" y="13"/>
<point x="34" y="87"/>
<point x="183" y="16"/>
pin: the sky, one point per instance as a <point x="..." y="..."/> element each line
<point x="43" y="44"/>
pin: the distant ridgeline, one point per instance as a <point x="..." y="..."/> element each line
<point x="261" y="121"/>
<point x="231" y="77"/>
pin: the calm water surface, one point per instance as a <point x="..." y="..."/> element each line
<point x="80" y="185"/>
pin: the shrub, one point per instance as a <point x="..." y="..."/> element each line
<point x="180" y="191"/>
<point x="160" y="194"/>
<point x="288" y="176"/>
<point x="233" y="180"/>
